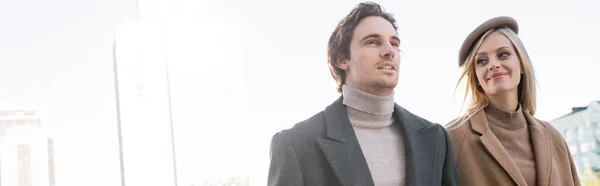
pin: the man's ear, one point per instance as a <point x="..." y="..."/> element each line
<point x="342" y="62"/>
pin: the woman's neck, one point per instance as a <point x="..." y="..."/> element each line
<point x="506" y="101"/>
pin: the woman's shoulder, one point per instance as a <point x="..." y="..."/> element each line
<point x="458" y="125"/>
<point x="464" y="122"/>
<point x="550" y="131"/>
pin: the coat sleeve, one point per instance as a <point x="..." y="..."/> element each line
<point x="449" y="173"/>
<point x="573" y="168"/>
<point x="284" y="168"/>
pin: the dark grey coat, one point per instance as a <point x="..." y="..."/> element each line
<point x="324" y="150"/>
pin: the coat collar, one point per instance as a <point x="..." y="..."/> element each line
<point x="347" y="160"/>
<point x="420" y="141"/>
<point x="341" y="148"/>
<point x="542" y="147"/>
<point x="541" y="143"/>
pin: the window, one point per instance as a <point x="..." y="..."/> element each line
<point x="573" y="149"/>
<point x="596" y="128"/>
<point x="580" y="132"/>
<point x="585" y="147"/>
<point x="568" y="135"/>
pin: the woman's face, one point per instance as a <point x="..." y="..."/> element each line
<point x="497" y="65"/>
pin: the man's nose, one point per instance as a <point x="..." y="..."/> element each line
<point x="388" y="51"/>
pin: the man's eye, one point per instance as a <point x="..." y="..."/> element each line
<point x="372" y="42"/>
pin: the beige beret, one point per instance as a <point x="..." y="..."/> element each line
<point x="496" y="22"/>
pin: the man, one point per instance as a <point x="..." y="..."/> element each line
<point x="363" y="138"/>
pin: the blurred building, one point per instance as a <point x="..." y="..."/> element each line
<point x="581" y="131"/>
<point x="26" y="151"/>
<point x="182" y="104"/>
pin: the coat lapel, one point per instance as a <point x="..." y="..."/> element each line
<point x="493" y="146"/>
<point x="420" y="144"/>
<point x="341" y="148"/>
<point x="542" y="147"/>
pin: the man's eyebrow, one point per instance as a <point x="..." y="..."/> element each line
<point x="369" y="36"/>
<point x="377" y="36"/>
<point x="396" y="38"/>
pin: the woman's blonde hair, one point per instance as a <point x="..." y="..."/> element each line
<point x="478" y="99"/>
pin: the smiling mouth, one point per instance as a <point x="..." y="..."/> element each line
<point x="497" y="76"/>
<point x="387" y="67"/>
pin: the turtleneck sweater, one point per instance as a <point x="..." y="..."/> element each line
<point x="380" y="141"/>
<point x="512" y="130"/>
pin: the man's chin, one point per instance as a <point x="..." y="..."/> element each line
<point x="387" y="84"/>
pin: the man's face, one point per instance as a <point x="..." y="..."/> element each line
<point x="374" y="60"/>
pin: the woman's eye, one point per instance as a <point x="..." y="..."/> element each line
<point x="481" y="60"/>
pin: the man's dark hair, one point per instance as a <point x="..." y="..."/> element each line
<point x="338" y="47"/>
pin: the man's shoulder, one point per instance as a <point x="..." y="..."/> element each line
<point x="315" y="125"/>
<point x="421" y="124"/>
<point x="415" y="118"/>
<point x="309" y="128"/>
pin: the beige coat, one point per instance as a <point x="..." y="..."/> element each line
<point x="482" y="160"/>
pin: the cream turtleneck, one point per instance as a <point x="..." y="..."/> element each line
<point x="381" y="142"/>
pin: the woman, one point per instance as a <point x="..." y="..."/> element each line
<point x="498" y="141"/>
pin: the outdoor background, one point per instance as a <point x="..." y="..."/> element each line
<point x="189" y="93"/>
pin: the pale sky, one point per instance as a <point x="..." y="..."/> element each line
<point x="242" y="71"/>
<point x="561" y="40"/>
